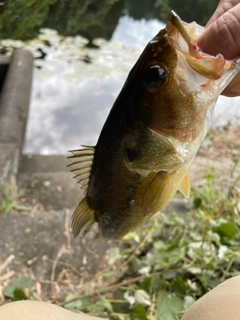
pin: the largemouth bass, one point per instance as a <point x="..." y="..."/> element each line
<point x="152" y="133"/>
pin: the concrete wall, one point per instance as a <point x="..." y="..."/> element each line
<point x="15" y="90"/>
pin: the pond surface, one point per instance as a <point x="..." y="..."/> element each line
<point x="71" y="99"/>
<point x="75" y="84"/>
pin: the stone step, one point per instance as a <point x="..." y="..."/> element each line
<point x="47" y="182"/>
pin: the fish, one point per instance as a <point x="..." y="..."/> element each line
<point x="152" y="133"/>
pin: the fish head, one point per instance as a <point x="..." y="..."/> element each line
<point x="174" y="86"/>
<point x="178" y="83"/>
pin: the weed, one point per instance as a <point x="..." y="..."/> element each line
<point x="10" y="197"/>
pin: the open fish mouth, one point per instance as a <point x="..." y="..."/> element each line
<point x="193" y="63"/>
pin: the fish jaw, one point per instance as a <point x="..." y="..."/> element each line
<point x="182" y="107"/>
<point x="209" y="73"/>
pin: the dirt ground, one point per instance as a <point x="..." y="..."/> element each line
<point x="221" y="143"/>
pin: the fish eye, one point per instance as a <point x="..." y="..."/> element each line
<point x="155" y="77"/>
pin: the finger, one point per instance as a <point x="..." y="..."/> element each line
<point x="222" y="35"/>
<point x="223" y="6"/>
<point x="233" y="89"/>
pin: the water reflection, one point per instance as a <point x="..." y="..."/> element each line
<point x="64" y="114"/>
<point x="136" y="33"/>
<point x="71" y="98"/>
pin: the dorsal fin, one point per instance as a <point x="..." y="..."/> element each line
<point x="82" y="218"/>
<point x="82" y="164"/>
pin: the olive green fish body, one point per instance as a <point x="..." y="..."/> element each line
<point x="152" y="133"/>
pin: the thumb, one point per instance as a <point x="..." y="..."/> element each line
<point x="222" y="35"/>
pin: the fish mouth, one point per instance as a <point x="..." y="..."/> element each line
<point x="183" y="38"/>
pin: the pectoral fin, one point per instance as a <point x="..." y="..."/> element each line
<point x="82" y="218"/>
<point x="154" y="193"/>
<point x="185" y="185"/>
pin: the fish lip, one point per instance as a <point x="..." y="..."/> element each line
<point x="176" y="21"/>
<point x="183" y="38"/>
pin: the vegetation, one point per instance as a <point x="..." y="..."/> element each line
<point x="23" y="19"/>
<point x="164" y="266"/>
<point x="20" y="19"/>
<point x="91" y="18"/>
<point x="200" y="10"/>
<point x="10" y="198"/>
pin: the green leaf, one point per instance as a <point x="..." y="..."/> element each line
<point x="146" y="284"/>
<point x="158" y="245"/>
<point x="197" y="202"/>
<point x="168" y="307"/>
<point x="226" y="229"/>
<point x="105" y="303"/>
<point x="179" y="285"/>
<point x="208" y="282"/>
<point x="139" y="313"/>
<point x="156" y="283"/>
<point x="18" y="284"/>
<point x="188" y="301"/>
<point x="209" y="176"/>
<point x="173" y="254"/>
<point x="136" y="264"/>
<point x="76" y="304"/>
<point x="19" y="294"/>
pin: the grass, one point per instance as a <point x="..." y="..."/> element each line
<point x="164" y="266"/>
<point x="10" y="197"/>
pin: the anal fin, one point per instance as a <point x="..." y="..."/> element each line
<point x="185" y="185"/>
<point x="82" y="218"/>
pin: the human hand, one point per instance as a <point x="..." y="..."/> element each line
<point x="222" y="35"/>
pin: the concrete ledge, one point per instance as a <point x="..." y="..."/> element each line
<point x="15" y="97"/>
<point x="9" y="157"/>
<point x="15" y="86"/>
<point x="4" y="64"/>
